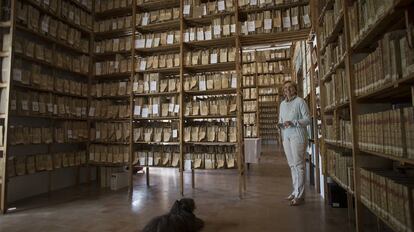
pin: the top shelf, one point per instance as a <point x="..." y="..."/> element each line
<point x="390" y="20"/>
<point x="157" y="5"/>
<point x="275" y="7"/>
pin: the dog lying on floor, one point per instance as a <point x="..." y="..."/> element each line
<point x="180" y="219"/>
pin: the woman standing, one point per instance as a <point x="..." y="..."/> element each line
<point x="293" y="119"/>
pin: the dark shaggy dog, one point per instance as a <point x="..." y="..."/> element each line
<point x="180" y="219"/>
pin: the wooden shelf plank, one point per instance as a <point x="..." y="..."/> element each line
<point x="114" y="33"/>
<point x="205" y="20"/>
<point x="211" y="143"/>
<point x="124" y="11"/>
<point x="158" y="143"/>
<point x="125" y="97"/>
<point x="5" y="24"/>
<point x="110" y="142"/>
<point x="61" y="118"/>
<point x="160" y="49"/>
<point x="279" y="37"/>
<point x="213" y="43"/>
<point x="156" y="118"/>
<point x="212" y="92"/>
<point x="391" y="157"/>
<point x="209" y="116"/>
<point x="173" y="70"/>
<point x="155" y="94"/>
<point x="114" y="76"/>
<point x="212" y="67"/>
<point x="389" y="92"/>
<point x="345" y="187"/>
<point x="170" y="25"/>
<point x="157" y="5"/>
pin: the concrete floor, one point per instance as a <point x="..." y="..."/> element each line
<point x="88" y="208"/>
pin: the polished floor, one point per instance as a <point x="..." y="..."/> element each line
<point x="262" y="208"/>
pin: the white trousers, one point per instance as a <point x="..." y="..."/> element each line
<point x="294" y="150"/>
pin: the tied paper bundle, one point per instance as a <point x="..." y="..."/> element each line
<point x="194" y="133"/>
<point x="209" y="161"/>
<point x="176" y="159"/>
<point x="220" y="160"/>
<point x="211" y="133"/>
<point x="198" y="161"/>
<point x="31" y="164"/>
<point x="157" y="159"/>
<point x="166" y="158"/>
<point x="231" y="161"/>
<point x="57" y="160"/>
<point x="20" y="165"/>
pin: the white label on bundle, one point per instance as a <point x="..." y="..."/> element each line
<point x="69" y="134"/>
<point x="98" y="134"/>
<point x="207" y="35"/>
<point x="25" y="105"/>
<point x="251" y="26"/>
<point x="286" y="21"/>
<point x="135" y="86"/>
<point x="148" y="43"/>
<point x="202" y="85"/>
<point x="35" y="106"/>
<point x="45" y="25"/>
<point x="221" y="5"/>
<point x="177" y="109"/>
<point x="153" y="86"/>
<point x="50" y="107"/>
<point x="306" y="19"/>
<point x="217" y="29"/>
<point x="78" y="111"/>
<point x="122" y="85"/>
<point x="192" y="36"/>
<point x="83" y="110"/>
<point x="213" y="58"/>
<point x="186" y="37"/>
<point x="186" y="10"/>
<point x="175" y="133"/>
<point x="17" y="75"/>
<point x="155" y="109"/>
<point x="145" y="20"/>
<point x="233" y="82"/>
<point x="226" y="29"/>
<point x="91" y="111"/>
<point x="170" y="39"/>
<point x="143" y="65"/>
<point x="200" y="35"/>
<point x="144" y="112"/>
<point x="137" y="110"/>
<point x="146" y="86"/>
<point x="244" y="29"/>
<point x="253" y="2"/>
<point x="55" y="109"/>
<point x="295" y="20"/>
<point x="171" y="107"/>
<point x="140" y="43"/>
<point x="13" y="105"/>
<point x="268" y="24"/>
<point x="156" y="42"/>
<point x="233" y="28"/>
<point x="114" y="25"/>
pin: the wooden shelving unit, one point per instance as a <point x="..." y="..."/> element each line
<point x="110" y="59"/>
<point x="361" y="39"/>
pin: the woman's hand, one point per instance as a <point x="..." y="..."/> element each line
<point x="288" y="124"/>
